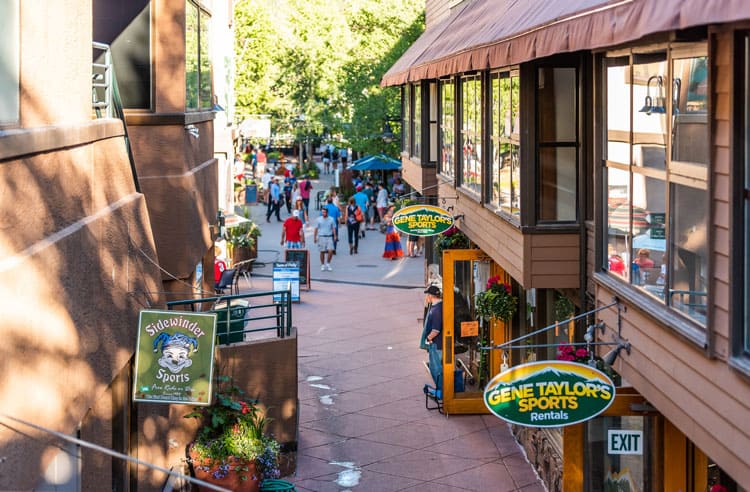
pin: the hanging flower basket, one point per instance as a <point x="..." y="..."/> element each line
<point x="497" y="302"/>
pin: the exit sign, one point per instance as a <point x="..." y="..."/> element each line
<point x="621" y="441"/>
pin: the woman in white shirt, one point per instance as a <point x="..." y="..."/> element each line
<point x="381" y="201"/>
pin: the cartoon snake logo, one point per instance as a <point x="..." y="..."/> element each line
<point x="175" y="351"/>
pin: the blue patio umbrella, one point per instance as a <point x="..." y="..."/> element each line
<point x="378" y="162"/>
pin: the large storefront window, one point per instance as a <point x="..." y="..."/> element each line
<point x="656" y="172"/>
<point x="447" y="128"/>
<point x="504" y="135"/>
<point x="416" y="150"/>
<point x="471" y="133"/>
<point x="126" y="27"/>
<point x="197" y="60"/>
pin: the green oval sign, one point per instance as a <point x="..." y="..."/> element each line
<point x="549" y="394"/>
<point x="422" y="220"/>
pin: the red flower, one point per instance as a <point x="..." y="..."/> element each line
<point x="582" y="353"/>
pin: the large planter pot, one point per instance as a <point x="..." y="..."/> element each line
<point x="242" y="254"/>
<point x="238" y="475"/>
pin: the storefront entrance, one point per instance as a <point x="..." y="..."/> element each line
<point x="465" y="273"/>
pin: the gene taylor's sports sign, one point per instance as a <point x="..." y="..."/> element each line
<point x="549" y="394"/>
<point x="422" y="220"/>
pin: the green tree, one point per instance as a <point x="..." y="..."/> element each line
<point x="323" y="59"/>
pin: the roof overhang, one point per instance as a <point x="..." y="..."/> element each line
<point x="484" y="34"/>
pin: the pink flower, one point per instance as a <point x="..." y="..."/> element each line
<point x="567" y="357"/>
<point x="582" y="353"/>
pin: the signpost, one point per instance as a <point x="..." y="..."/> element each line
<point x="302" y="257"/>
<point x="422" y="220"/>
<point x="174" y="360"/>
<point x="549" y="394"/>
<point x="286" y="277"/>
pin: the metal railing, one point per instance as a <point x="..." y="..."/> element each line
<point x="240" y="314"/>
<point x="101" y="90"/>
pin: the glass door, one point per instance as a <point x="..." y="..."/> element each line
<point x="465" y="274"/>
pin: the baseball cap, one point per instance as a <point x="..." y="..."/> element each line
<point x="432" y="290"/>
<point x="295" y="213"/>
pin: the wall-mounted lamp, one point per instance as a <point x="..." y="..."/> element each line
<point x="655" y="105"/>
<point x="193" y="131"/>
<point x="610" y="357"/>
<point x="457" y="217"/>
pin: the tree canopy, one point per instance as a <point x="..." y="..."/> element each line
<point x="315" y="65"/>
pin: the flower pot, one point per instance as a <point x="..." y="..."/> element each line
<point x="237" y="474"/>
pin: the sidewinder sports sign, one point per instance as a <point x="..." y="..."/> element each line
<point x="175" y="357"/>
<point x="549" y="394"/>
<point x="422" y="220"/>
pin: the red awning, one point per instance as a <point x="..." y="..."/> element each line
<point x="484" y="34"/>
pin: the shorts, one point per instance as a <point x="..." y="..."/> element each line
<point x="293" y="245"/>
<point x="325" y="243"/>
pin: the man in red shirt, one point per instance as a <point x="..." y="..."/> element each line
<point x="291" y="232"/>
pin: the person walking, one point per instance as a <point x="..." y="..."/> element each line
<point x="304" y="191"/>
<point x="274" y="200"/>
<point x="381" y="202"/>
<point x="324" y="235"/>
<point x="362" y="202"/>
<point x="393" y="249"/>
<point x="287" y="191"/>
<point x="353" y="217"/>
<point x="300" y="207"/>
<point x="334" y="212"/>
<point x="292" y="232"/>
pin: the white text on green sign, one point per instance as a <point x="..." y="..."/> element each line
<point x="422" y="220"/>
<point x="549" y="394"/>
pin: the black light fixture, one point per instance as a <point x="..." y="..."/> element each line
<point x="388" y="135"/>
<point x="610" y="357"/>
<point x="656" y="104"/>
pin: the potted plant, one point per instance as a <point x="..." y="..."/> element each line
<point x="584" y="356"/>
<point x="242" y="240"/>
<point x="231" y="449"/>
<point x="451" y="239"/>
<point x="497" y="302"/>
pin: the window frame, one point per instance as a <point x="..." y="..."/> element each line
<point x="13" y="49"/>
<point x="203" y="50"/>
<point x="739" y="308"/>
<point x="415" y="149"/>
<point x="511" y="138"/>
<point x="447" y="171"/>
<point x="476" y="131"/>
<point x="406" y="119"/>
<point x="678" y="173"/>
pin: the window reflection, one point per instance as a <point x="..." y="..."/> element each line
<point x="447" y="127"/>
<point x="417" y="121"/>
<point x="506" y="172"/>
<point x="471" y="133"/>
<point x="658" y="249"/>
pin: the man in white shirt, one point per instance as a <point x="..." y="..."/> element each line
<point x="325" y="235"/>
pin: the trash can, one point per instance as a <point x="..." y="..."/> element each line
<point x="251" y="194"/>
<point x="233" y="331"/>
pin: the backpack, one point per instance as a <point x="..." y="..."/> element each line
<point x="358" y="214"/>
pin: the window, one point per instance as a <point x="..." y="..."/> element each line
<point x="447" y="128"/>
<point x="197" y="61"/>
<point x="557" y="140"/>
<point x="406" y="124"/>
<point x="506" y="144"/>
<point x="471" y="133"/>
<point x="416" y="150"/>
<point x="656" y="172"/>
<point x="126" y="27"/>
<point x="9" y="60"/>
<point x="743" y="347"/>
